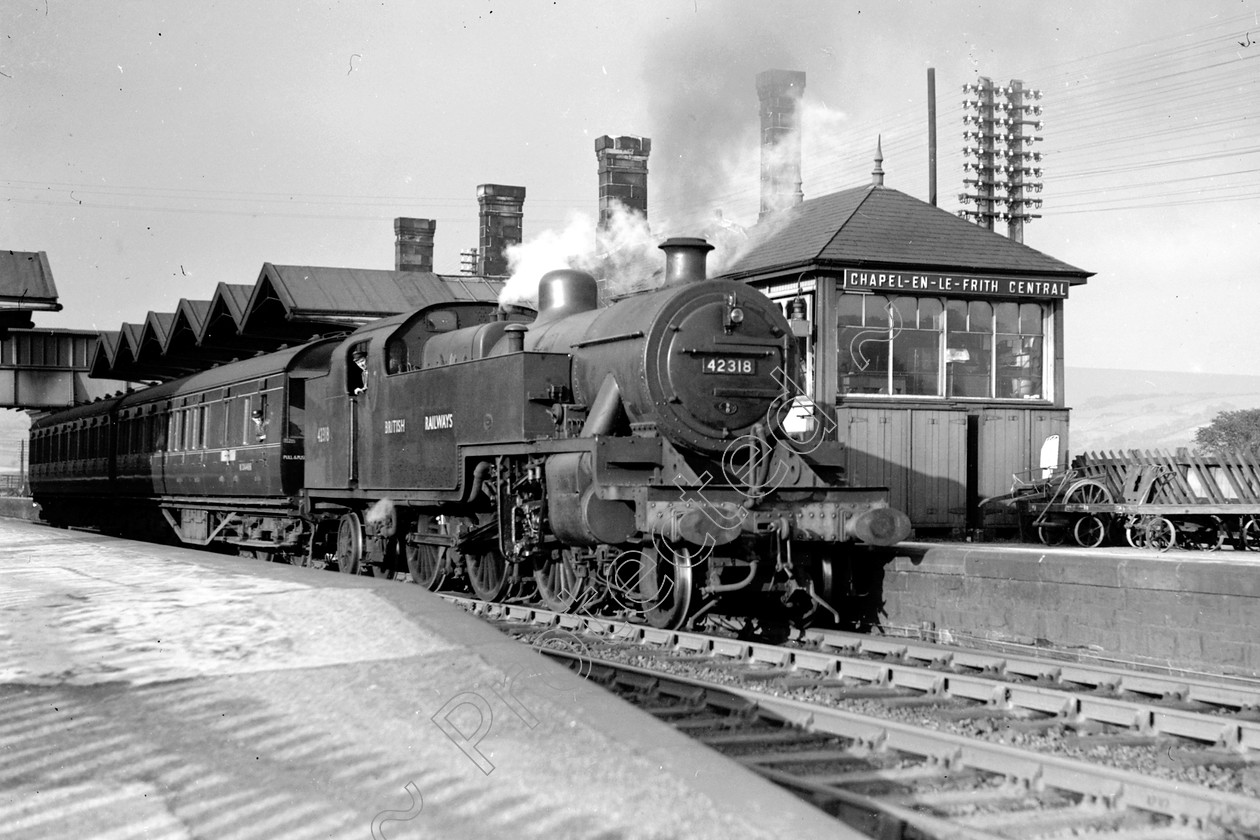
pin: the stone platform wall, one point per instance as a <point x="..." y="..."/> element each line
<point x="1181" y="608"/>
<point x="18" y="507"/>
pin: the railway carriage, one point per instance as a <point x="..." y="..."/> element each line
<point x="217" y="456"/>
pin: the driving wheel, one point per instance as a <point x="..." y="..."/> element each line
<point x="666" y="582"/>
<point x="560" y="581"/>
<point x="426" y="562"/>
<point x="488" y="574"/>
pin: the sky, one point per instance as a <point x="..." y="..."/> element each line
<point x="155" y="149"/>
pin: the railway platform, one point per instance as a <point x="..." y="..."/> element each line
<point x="1181" y="610"/>
<point x="159" y="692"/>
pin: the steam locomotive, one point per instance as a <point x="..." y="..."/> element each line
<point x="653" y="456"/>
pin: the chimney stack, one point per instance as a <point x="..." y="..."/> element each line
<point x="780" y="92"/>
<point x="413" y="244"/>
<point x="685" y="258"/>
<point x="501" y="217"/>
<point x="622" y="174"/>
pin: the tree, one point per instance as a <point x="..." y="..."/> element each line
<point x="1230" y="431"/>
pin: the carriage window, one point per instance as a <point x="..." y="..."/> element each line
<point x="246" y="417"/>
<point x="159" y="431"/>
<point x="260" y="420"/>
<point x="201" y="427"/>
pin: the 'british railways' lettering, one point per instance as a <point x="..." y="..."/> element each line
<point x="433" y="422"/>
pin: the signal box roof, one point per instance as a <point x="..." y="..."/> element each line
<point x="874" y="226"/>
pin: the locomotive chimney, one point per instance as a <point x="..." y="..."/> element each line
<point x="565" y="291"/>
<point x="622" y="174"/>
<point x="685" y="259"/>
<point x="780" y="92"/>
<point x="500" y="225"/>
<point x="413" y="244"/>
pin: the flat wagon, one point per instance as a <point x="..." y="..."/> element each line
<point x="1145" y="499"/>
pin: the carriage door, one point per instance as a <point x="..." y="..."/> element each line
<point x="357" y="381"/>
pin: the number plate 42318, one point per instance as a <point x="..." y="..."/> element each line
<point x="744" y="367"/>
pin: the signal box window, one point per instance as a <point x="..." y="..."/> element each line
<point x="969" y="348"/>
<point x="865" y="343"/>
<point x="1020" y="350"/>
<point x="934" y="347"/>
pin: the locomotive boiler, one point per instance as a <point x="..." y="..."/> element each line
<point x="634" y="457"/>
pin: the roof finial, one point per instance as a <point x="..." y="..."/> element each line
<point x="877" y="174"/>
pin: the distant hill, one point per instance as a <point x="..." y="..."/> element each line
<point x="1141" y="409"/>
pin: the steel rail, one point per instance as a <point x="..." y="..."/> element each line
<point x="1117" y="789"/>
<point x="1229" y="733"/>
<point x="1192" y="689"/>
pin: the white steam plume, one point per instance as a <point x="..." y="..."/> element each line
<point x="624" y="256"/>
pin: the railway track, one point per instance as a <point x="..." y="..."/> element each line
<point x="910" y="739"/>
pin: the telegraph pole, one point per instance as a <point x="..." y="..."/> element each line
<point x="1006" y="137"/>
<point x="931" y="95"/>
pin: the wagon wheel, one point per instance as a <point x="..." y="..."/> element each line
<point x="1160" y="534"/>
<point x="488" y="573"/>
<point x="1087" y="492"/>
<point x="1135" y="531"/>
<point x="666" y="582"/>
<point x="427" y="563"/>
<point x="1249" y="533"/>
<point x="1052" y="532"/>
<point x="560" y="581"/>
<point x="349" y="555"/>
<point x="1219" y="531"/>
<point x="1208" y="534"/>
<point x="1089" y="531"/>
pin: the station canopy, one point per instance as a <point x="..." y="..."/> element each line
<point x="287" y="305"/>
<point x="26" y="286"/>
